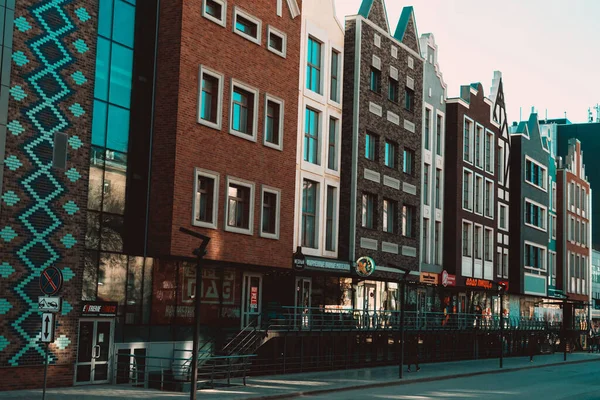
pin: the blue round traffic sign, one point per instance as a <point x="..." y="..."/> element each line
<point x="51" y="281"/>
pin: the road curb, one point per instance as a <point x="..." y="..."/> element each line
<point x="408" y="382"/>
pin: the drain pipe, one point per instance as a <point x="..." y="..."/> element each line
<point x="151" y="129"/>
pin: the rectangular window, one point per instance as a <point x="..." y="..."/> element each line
<point x="425" y="242"/>
<point x="243" y="108"/>
<point x="206" y="199"/>
<point x="277" y="42"/>
<point x="334" y="90"/>
<point x="577" y="192"/>
<point x="211" y="97"/>
<point x="488" y="245"/>
<point x="505" y="264"/>
<point x="501" y="170"/>
<point x="489" y="198"/>
<point x="371" y="147"/>
<point x="313" y="66"/>
<point x="239" y="210"/>
<point x="426" y="185"/>
<point x="408" y="161"/>
<point x="408" y="220"/>
<point x="489" y="152"/>
<point x="311" y="136"/>
<point x="503" y="220"/>
<point x="478" y="146"/>
<point x="409" y="99"/>
<point x="330" y="222"/>
<point x="247" y="26"/>
<point x="577" y="230"/>
<point x="477" y="238"/>
<point x="273" y="122"/>
<point x="375" y="80"/>
<point x="390" y="154"/>
<point x="438" y="195"/>
<point x="467" y="190"/>
<point x="467" y="141"/>
<point x="438" y="135"/>
<point x="369" y="204"/>
<point x="270" y="213"/>
<point x="215" y="10"/>
<point x="393" y="89"/>
<point x="535" y="174"/>
<point x="478" y="194"/>
<point x="466" y="239"/>
<point x="426" y="136"/>
<point x="535" y="257"/>
<point x="309" y="214"/>
<point x="554" y="222"/>
<point x="437" y="245"/>
<point x="390" y="213"/>
<point x="535" y="215"/>
<point x="554" y="196"/>
<point x="332" y="161"/>
<point x="498" y="264"/>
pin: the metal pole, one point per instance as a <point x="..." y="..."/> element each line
<point x="194" y="383"/>
<point x="565" y="329"/>
<point x="501" y="328"/>
<point x="45" y="371"/>
<point x="402" y="289"/>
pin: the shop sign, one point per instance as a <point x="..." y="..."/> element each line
<point x="365" y="266"/>
<point x="99" y="309"/>
<point x="448" y="279"/>
<point x="299" y="260"/>
<point x="429" y="277"/>
<point x="328" y="264"/>
<point x="482" y="283"/>
<point x="254" y="297"/>
<point x="504" y="285"/>
<point x="213" y="290"/>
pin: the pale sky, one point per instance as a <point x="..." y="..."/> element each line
<point x="547" y="50"/>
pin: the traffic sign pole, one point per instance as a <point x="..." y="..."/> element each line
<point x="45" y="372"/>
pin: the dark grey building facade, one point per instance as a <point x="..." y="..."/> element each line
<point x="381" y="140"/>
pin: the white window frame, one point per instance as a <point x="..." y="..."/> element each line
<point x="281" y="103"/>
<point x="480" y="150"/>
<point x="238" y="11"/>
<point x="471" y="233"/>
<point x="490" y="244"/>
<point x="554" y="227"/>
<point x="235" y="83"/>
<point x="276" y="192"/>
<point x="487" y="134"/>
<point x="501" y="156"/>
<point x="492" y="193"/>
<point x="252" y="186"/>
<point x="544" y="217"/>
<point x="442" y="116"/>
<point x="221" y="78"/>
<point x="471" y="190"/>
<point x="554" y="196"/>
<point x="394" y="51"/>
<point x="544" y="178"/>
<point x="481" y="197"/>
<point x="552" y="254"/>
<point x="336" y="217"/>
<point x="471" y="159"/>
<point x="215" y="176"/>
<point x="475" y="226"/>
<point x="338" y="143"/>
<point x="506" y="208"/>
<point x="544" y="257"/>
<point x="282" y="35"/>
<point x="223" y="20"/>
<point x="318" y="179"/>
<point x="340" y="75"/>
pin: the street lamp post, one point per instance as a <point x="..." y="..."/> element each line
<point x="501" y="289"/>
<point x="199" y="252"/>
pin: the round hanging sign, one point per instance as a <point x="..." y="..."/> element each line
<point x="365" y="266"/>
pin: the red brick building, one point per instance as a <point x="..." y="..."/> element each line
<point x="574" y="210"/>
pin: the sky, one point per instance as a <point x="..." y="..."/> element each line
<point x="547" y="50"/>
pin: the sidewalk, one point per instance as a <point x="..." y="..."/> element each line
<point x="293" y="385"/>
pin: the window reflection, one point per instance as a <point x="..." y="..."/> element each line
<point x="96" y="178"/>
<point x="92" y="236"/>
<point x="134" y="290"/>
<point x="90" y="276"/>
<point x="118" y="128"/>
<point x="112" y="233"/>
<point x="115" y="179"/>
<point x="112" y="275"/>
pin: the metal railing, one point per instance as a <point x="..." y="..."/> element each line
<point x="319" y="319"/>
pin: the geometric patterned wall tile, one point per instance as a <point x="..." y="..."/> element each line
<point x="13" y="163"/>
<point x="15" y="127"/>
<point x="75" y="142"/>
<point x="82" y="14"/>
<point x="10" y="198"/>
<point x="20" y="58"/>
<point x="22" y="24"/>
<point x="69" y="241"/>
<point x="18" y="93"/>
<point x="73" y="175"/>
<point x="78" y="77"/>
<point x="62" y="342"/>
<point x="8" y="234"/>
<point x="70" y="207"/>
<point x="6" y="270"/>
<point x="80" y="46"/>
<point x="3" y="343"/>
<point x="67" y="274"/>
<point x="66" y="308"/>
<point x="5" y="306"/>
<point x="77" y="110"/>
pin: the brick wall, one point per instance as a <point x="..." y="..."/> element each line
<point x="42" y="222"/>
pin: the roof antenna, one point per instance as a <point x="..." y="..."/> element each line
<point x="546" y="114"/>
<point x="520" y="113"/>
<point x="565" y="115"/>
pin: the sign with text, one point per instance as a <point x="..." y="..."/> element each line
<point x="212" y="286"/>
<point x="99" y="309"/>
<point x="49" y="304"/>
<point x="254" y="297"/>
<point x="481" y="283"/>
<point x="429" y="277"/>
<point x="299" y="260"/>
<point x="448" y="279"/>
<point x="47" y="328"/>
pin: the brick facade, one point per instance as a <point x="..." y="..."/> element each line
<point x="42" y="220"/>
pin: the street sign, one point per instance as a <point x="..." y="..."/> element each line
<point x="365" y="266"/>
<point x="51" y="281"/>
<point x="49" y="304"/>
<point x="299" y="260"/>
<point x="47" y="328"/>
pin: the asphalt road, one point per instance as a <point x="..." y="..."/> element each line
<point x="576" y="381"/>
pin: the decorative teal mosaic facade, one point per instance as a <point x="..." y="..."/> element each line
<point x="41" y="223"/>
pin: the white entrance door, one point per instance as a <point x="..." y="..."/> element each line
<point x="251" y="299"/>
<point x="94" y="352"/>
<point x="303" y="296"/>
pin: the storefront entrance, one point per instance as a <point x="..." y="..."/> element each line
<point x="94" y="353"/>
<point x="251" y="299"/>
<point x="303" y="302"/>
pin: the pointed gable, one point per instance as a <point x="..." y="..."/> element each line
<point x="406" y="31"/>
<point x="374" y="11"/>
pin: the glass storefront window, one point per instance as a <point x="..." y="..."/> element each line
<point x="112" y="233"/>
<point x="115" y="181"/>
<point x="92" y="236"/>
<point x="96" y="180"/>
<point x="112" y="277"/>
<point x="90" y="276"/>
